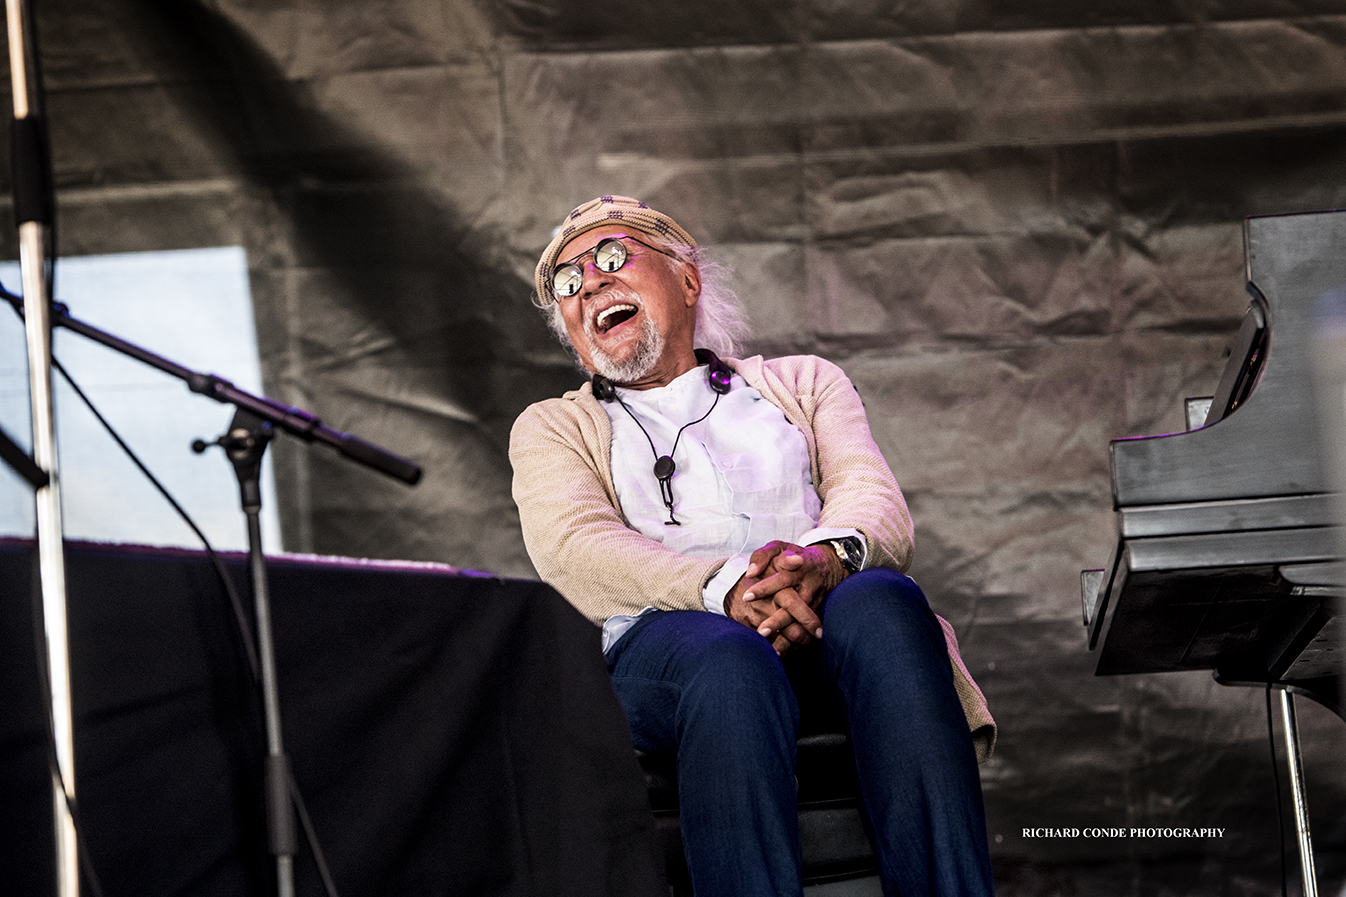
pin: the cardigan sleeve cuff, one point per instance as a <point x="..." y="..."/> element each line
<point x="719" y="585"/>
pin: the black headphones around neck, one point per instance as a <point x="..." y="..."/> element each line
<point x="718" y="375"/>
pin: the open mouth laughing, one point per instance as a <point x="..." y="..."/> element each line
<point x="613" y="315"/>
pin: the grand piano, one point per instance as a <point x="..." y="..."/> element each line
<point x="1229" y="549"/>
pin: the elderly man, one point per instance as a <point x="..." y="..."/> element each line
<point x="735" y="531"/>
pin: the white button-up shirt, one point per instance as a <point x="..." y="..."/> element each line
<point x="742" y="478"/>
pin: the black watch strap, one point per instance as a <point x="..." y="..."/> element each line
<point x="849" y="552"/>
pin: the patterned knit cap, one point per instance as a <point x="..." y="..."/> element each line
<point x="599" y="212"/>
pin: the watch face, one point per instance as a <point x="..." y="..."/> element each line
<point x="844" y="554"/>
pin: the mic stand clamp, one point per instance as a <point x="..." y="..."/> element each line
<point x="245" y="443"/>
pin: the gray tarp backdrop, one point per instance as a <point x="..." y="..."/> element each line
<point x="1016" y="225"/>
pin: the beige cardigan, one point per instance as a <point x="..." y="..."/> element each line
<point x="580" y="543"/>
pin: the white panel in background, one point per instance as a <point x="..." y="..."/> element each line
<point x="192" y="307"/>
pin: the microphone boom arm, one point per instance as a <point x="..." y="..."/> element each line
<point x="295" y="421"/>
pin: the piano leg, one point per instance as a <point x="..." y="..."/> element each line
<point x="1292" y="758"/>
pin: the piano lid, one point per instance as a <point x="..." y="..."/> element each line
<point x="1268" y="445"/>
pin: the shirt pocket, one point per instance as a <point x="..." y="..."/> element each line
<point x="771" y="481"/>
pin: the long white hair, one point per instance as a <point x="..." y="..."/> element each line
<point x="721" y="324"/>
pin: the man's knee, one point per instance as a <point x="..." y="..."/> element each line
<point x="736" y="647"/>
<point x="682" y="670"/>
<point x="877" y="606"/>
<point x="862" y="594"/>
<point x="734" y="660"/>
<point x="739" y="684"/>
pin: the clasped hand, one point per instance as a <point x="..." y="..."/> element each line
<point x="779" y="593"/>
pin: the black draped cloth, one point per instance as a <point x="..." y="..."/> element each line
<point x="451" y="733"/>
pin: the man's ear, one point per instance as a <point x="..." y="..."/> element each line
<point x="691" y="282"/>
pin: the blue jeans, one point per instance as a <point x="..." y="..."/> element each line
<point x="713" y="691"/>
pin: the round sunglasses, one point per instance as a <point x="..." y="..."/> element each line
<point x="610" y="254"/>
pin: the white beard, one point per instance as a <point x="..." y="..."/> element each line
<point x="649" y="348"/>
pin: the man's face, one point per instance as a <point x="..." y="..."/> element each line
<point x="634" y="325"/>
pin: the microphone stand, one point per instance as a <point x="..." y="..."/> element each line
<point x="33" y="205"/>
<point x="245" y="443"/>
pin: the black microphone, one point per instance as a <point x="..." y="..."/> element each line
<point x="604" y="391"/>
<point x="717" y="372"/>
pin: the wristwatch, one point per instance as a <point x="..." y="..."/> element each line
<point x="848" y="551"/>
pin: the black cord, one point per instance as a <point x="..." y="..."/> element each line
<point x="234" y="599"/>
<point x="310" y="833"/>
<point x="1276" y="776"/>
<point x="666" y="478"/>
